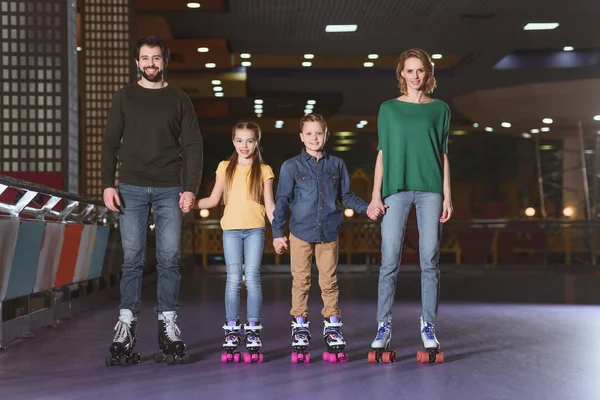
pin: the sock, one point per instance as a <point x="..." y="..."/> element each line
<point x="253" y="323"/>
<point x="231" y="322"/>
<point x="334" y="319"/>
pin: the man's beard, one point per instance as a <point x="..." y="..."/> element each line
<point x="156" y="78"/>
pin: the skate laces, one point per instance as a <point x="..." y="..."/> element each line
<point x="428" y="330"/>
<point x="122" y="332"/>
<point x="172" y="329"/>
<point x="383" y="329"/>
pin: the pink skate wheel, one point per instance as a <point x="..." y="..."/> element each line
<point x="260" y="358"/>
<point x="307" y="358"/>
<point x="294" y="358"/>
<point x="332" y="357"/>
<point x="236" y="357"/>
<point x="247" y="358"/>
<point x="325" y="356"/>
<point x="342" y="357"/>
<point x="224" y="357"/>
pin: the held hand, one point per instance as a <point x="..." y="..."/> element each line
<point x="376" y="209"/>
<point x="111" y="199"/>
<point x="280" y="244"/>
<point x="186" y="201"/>
<point x="446" y="211"/>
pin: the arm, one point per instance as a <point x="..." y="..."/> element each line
<point x="376" y="207"/>
<point x="285" y="194"/>
<point x="349" y="199"/>
<point x="269" y="202"/>
<point x="215" y="196"/>
<point x="191" y="144"/>
<point x="111" y="144"/>
<point x="447" y="205"/>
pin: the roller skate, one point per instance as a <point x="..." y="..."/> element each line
<point x="381" y="343"/>
<point x="121" y="349"/>
<point x="231" y="342"/>
<point x="172" y="348"/>
<point x="300" y="340"/>
<point x="334" y="340"/>
<point x="432" y="351"/>
<point x="253" y="342"/>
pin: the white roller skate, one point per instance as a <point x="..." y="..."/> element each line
<point x="430" y="343"/>
<point x="253" y="343"/>
<point x="300" y="340"/>
<point x="334" y="340"/>
<point x="381" y="343"/>
<point x="231" y="341"/>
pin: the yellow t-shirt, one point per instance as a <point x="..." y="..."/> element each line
<point x="240" y="211"/>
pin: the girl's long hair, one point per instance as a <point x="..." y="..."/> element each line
<point x="255" y="180"/>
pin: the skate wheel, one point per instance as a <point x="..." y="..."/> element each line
<point x="109" y="361"/>
<point x="224" y="357"/>
<point x="294" y="358"/>
<point x="342" y="357"/>
<point x="170" y="359"/>
<point x="372" y="357"/>
<point x="332" y="357"/>
<point x="136" y="358"/>
<point x="158" y="357"/>
<point x="306" y="358"/>
<point x="422" y="356"/>
<point x="124" y="360"/>
<point x="439" y="358"/>
<point x="325" y="356"/>
<point x="247" y="358"/>
<point x="388" y="356"/>
<point x="237" y="357"/>
<point x="260" y="358"/>
<point x="185" y="359"/>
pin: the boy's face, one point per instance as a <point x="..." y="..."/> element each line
<point x="313" y="136"/>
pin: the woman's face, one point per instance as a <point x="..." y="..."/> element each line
<point x="414" y="73"/>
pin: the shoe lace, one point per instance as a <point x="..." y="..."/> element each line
<point x="383" y="329"/>
<point x="122" y="332"/>
<point x="172" y="330"/>
<point x="429" y="331"/>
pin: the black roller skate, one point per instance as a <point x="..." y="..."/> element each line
<point x="172" y="348"/>
<point x="231" y="343"/>
<point x="334" y="340"/>
<point x="253" y="343"/>
<point x="121" y="349"/>
<point x="300" y="340"/>
<point x="381" y="344"/>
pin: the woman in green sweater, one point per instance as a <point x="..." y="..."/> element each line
<point x="411" y="169"/>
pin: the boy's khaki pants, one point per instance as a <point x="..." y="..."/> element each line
<point x="326" y="254"/>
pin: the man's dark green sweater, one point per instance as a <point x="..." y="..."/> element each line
<point x="152" y="132"/>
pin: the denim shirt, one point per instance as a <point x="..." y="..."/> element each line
<point x="310" y="188"/>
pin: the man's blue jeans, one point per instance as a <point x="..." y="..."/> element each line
<point x="429" y="210"/>
<point x="136" y="202"/>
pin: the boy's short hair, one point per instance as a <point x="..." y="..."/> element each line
<point x="313" y="117"/>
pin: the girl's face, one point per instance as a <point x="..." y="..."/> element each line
<point x="245" y="143"/>
<point x="414" y="72"/>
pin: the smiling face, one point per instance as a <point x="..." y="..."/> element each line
<point x="414" y="73"/>
<point x="151" y="63"/>
<point x="314" y="136"/>
<point x="245" y="143"/>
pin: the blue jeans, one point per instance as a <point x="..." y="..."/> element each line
<point x="136" y="202"/>
<point x="243" y="247"/>
<point x="429" y="210"/>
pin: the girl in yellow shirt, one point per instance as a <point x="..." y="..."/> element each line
<point x="245" y="184"/>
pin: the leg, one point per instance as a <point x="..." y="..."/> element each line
<point x="254" y="241"/>
<point x="301" y="254"/>
<point x="429" y="210"/>
<point x="326" y="255"/>
<point x="233" y="250"/>
<point x="167" y="218"/>
<point x="392" y="236"/>
<point x="133" y="221"/>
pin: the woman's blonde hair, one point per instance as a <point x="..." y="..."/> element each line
<point x="429" y="84"/>
<point x="255" y="181"/>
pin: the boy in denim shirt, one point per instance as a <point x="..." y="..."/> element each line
<point x="309" y="186"/>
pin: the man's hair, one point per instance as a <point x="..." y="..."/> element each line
<point x="151" y="41"/>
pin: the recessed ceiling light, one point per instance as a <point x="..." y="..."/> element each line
<point x="341" y="28"/>
<point x="309" y="56"/>
<point x="526" y="135"/>
<point x="311" y="102"/>
<point x="202" y="49"/>
<point x="307" y="111"/>
<point x="360" y="126"/>
<point x="437" y="56"/>
<point x="79" y="48"/>
<point x="258" y="107"/>
<point x="535" y="131"/>
<point x="545" y="129"/>
<point x="589" y="151"/>
<point x="219" y="94"/>
<point x="541" y="26"/>
<point x="306" y="64"/>
<point x="475" y="125"/>
<point x="373" y="56"/>
<point x="547" y="120"/>
<point x="568" y="48"/>
<point x="258" y="101"/>
<point x="246" y="63"/>
<point x="596" y="117"/>
<point x="364" y="122"/>
<point x="309" y="107"/>
<point x="368" y="64"/>
<point x="193" y="5"/>
<point x="506" y="124"/>
<point x="215" y="82"/>
<point x="210" y="65"/>
<point x="489" y="129"/>
<point x="280" y="122"/>
<point x="217" y="88"/>
<point x="245" y="55"/>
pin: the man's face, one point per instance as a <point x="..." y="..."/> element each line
<point x="151" y="63"/>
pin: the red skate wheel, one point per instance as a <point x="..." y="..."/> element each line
<point x="422" y="356"/>
<point x="332" y="357"/>
<point x="325" y="356"/>
<point x="439" y="358"/>
<point x="372" y="357"/>
<point x="294" y="358"/>
<point x="386" y="357"/>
